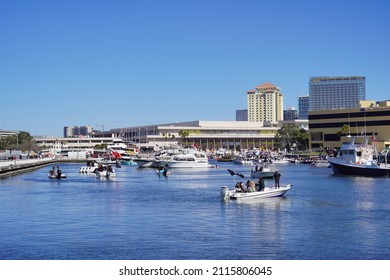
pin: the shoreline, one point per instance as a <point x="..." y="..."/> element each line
<point x="15" y="167"/>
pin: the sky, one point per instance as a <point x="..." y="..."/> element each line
<point x="122" y="63"/>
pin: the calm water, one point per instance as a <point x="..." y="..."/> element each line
<point x="141" y="216"/>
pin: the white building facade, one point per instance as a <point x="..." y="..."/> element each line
<point x="265" y="104"/>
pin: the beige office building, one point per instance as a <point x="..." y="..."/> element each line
<point x="371" y="118"/>
<point x="265" y="104"/>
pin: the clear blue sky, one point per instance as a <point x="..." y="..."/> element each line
<point x="124" y="63"/>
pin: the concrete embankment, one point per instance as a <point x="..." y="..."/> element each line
<point x="14" y="167"/>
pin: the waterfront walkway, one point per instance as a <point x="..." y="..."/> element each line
<point x="13" y="167"/>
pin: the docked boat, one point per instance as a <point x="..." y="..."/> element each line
<point x="189" y="158"/>
<point x="243" y="161"/>
<point x="357" y="159"/>
<point x="263" y="171"/>
<point x="266" y="193"/>
<point x="128" y="159"/>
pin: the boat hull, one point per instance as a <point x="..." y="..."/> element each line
<point x="187" y="164"/>
<point x="263" y="174"/>
<point x="344" y="168"/>
<point x="56" y="177"/>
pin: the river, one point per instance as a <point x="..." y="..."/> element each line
<point x="140" y="216"/>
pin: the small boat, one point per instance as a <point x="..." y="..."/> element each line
<point x="56" y="173"/>
<point x="266" y="193"/>
<point x="238" y="192"/>
<point x="263" y="171"/>
<point x="146" y="162"/>
<point x="358" y="159"/>
<point x="105" y="174"/>
<point x="55" y="176"/>
<point x="162" y="173"/>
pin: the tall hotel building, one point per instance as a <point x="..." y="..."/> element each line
<point x="328" y="93"/>
<point x="265" y="104"/>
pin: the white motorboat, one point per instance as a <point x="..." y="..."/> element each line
<point x="280" y="161"/>
<point x="189" y="158"/>
<point x="147" y="162"/>
<point x="266" y="193"/>
<point x="263" y="171"/>
<point x="243" y="161"/>
<point x="239" y="192"/>
<point x="105" y="174"/>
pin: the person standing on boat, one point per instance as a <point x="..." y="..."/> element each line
<point x="277" y="176"/>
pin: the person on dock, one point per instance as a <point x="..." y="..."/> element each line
<point x="277" y="176"/>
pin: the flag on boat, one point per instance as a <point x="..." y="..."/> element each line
<point x="235" y="173"/>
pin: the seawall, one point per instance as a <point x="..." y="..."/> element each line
<point x="14" y="167"/>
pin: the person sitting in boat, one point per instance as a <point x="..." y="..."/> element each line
<point x="100" y="168"/>
<point x="52" y="172"/>
<point x="261" y="184"/>
<point x="109" y="168"/>
<point x="250" y="186"/>
<point x="59" y="172"/>
<point x="239" y="187"/>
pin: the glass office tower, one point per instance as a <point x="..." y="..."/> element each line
<point x="303" y="107"/>
<point x="327" y="93"/>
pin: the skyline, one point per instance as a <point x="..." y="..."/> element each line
<point x="129" y="63"/>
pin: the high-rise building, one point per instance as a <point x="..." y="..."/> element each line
<point x="290" y="114"/>
<point x="265" y="104"/>
<point x="242" y="115"/>
<point x="303" y="107"/>
<point x="328" y="93"/>
<point x="77" y="130"/>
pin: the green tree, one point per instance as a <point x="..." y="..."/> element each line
<point x="290" y="135"/>
<point x="344" y="130"/>
<point x="22" y="141"/>
<point x="184" y="134"/>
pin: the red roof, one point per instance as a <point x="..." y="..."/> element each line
<point x="266" y="85"/>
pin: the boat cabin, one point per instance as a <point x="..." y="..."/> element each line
<point x="357" y="153"/>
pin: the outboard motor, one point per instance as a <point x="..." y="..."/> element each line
<point x="224" y="192"/>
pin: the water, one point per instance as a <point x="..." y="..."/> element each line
<point x="141" y="216"/>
